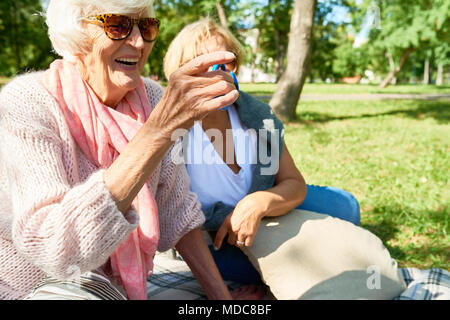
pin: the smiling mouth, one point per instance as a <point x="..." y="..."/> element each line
<point x="127" y="62"/>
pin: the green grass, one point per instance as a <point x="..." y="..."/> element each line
<point x="323" y="88"/>
<point x="394" y="157"/>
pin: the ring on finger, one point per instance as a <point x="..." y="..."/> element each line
<point x="240" y="243"/>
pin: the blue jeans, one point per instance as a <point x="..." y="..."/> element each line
<point x="234" y="265"/>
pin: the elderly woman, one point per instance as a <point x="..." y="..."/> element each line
<point x="242" y="193"/>
<point x="87" y="186"/>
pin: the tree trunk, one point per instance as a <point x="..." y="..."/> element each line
<point x="280" y="54"/>
<point x="285" y="99"/>
<point x="222" y="15"/>
<point x="396" y="70"/>
<point x="426" y="71"/>
<point x="440" y="75"/>
<point x="391" y="65"/>
<point x="310" y="73"/>
<point x="254" y="56"/>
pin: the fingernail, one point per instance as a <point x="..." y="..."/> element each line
<point x="215" y="248"/>
<point x="229" y="55"/>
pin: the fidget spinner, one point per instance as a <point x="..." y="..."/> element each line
<point x="223" y="68"/>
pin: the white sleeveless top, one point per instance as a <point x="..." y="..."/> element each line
<point x="211" y="178"/>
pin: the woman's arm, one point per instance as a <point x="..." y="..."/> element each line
<point x="195" y="252"/>
<point x="180" y="220"/>
<point x="288" y="192"/>
<point x="137" y="162"/>
<point x="188" y="97"/>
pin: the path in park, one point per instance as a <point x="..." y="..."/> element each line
<point x="367" y="96"/>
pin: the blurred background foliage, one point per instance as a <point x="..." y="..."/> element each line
<point x="390" y="30"/>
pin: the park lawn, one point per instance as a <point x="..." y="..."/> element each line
<point x="324" y="88"/>
<point x="394" y="157"/>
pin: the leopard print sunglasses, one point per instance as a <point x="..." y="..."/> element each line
<point x="119" y="27"/>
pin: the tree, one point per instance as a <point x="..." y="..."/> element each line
<point x="327" y="35"/>
<point x="271" y="21"/>
<point x="285" y="99"/>
<point x="222" y="16"/>
<point x="440" y="51"/>
<point x="25" y="44"/>
<point x="174" y="15"/>
<point x="349" y="61"/>
<point x="406" y="27"/>
<point x="442" y="54"/>
<point x="395" y="69"/>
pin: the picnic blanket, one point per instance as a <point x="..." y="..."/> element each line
<point x="431" y="284"/>
<point x="173" y="280"/>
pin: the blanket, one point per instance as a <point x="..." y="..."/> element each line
<point x="173" y="280"/>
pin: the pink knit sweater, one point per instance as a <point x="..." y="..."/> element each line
<point x="56" y="213"/>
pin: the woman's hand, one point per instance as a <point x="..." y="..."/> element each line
<point x="193" y="92"/>
<point x="243" y="223"/>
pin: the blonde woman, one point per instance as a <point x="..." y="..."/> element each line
<point x="235" y="184"/>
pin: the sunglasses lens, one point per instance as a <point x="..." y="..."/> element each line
<point x="117" y="27"/>
<point x="149" y="28"/>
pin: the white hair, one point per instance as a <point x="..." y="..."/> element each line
<point x="65" y="19"/>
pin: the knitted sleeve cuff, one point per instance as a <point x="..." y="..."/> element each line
<point x="188" y="217"/>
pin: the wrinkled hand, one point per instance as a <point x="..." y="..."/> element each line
<point x="250" y="292"/>
<point x="193" y="92"/>
<point x="243" y="223"/>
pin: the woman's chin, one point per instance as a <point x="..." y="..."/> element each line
<point x="127" y="82"/>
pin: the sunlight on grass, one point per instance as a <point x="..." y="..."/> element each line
<point x="323" y="88"/>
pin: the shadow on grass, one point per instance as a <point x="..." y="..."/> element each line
<point x="421" y="257"/>
<point x="439" y="110"/>
<point x="385" y="227"/>
<point x="409" y="254"/>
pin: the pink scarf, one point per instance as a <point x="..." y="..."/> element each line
<point x="102" y="133"/>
